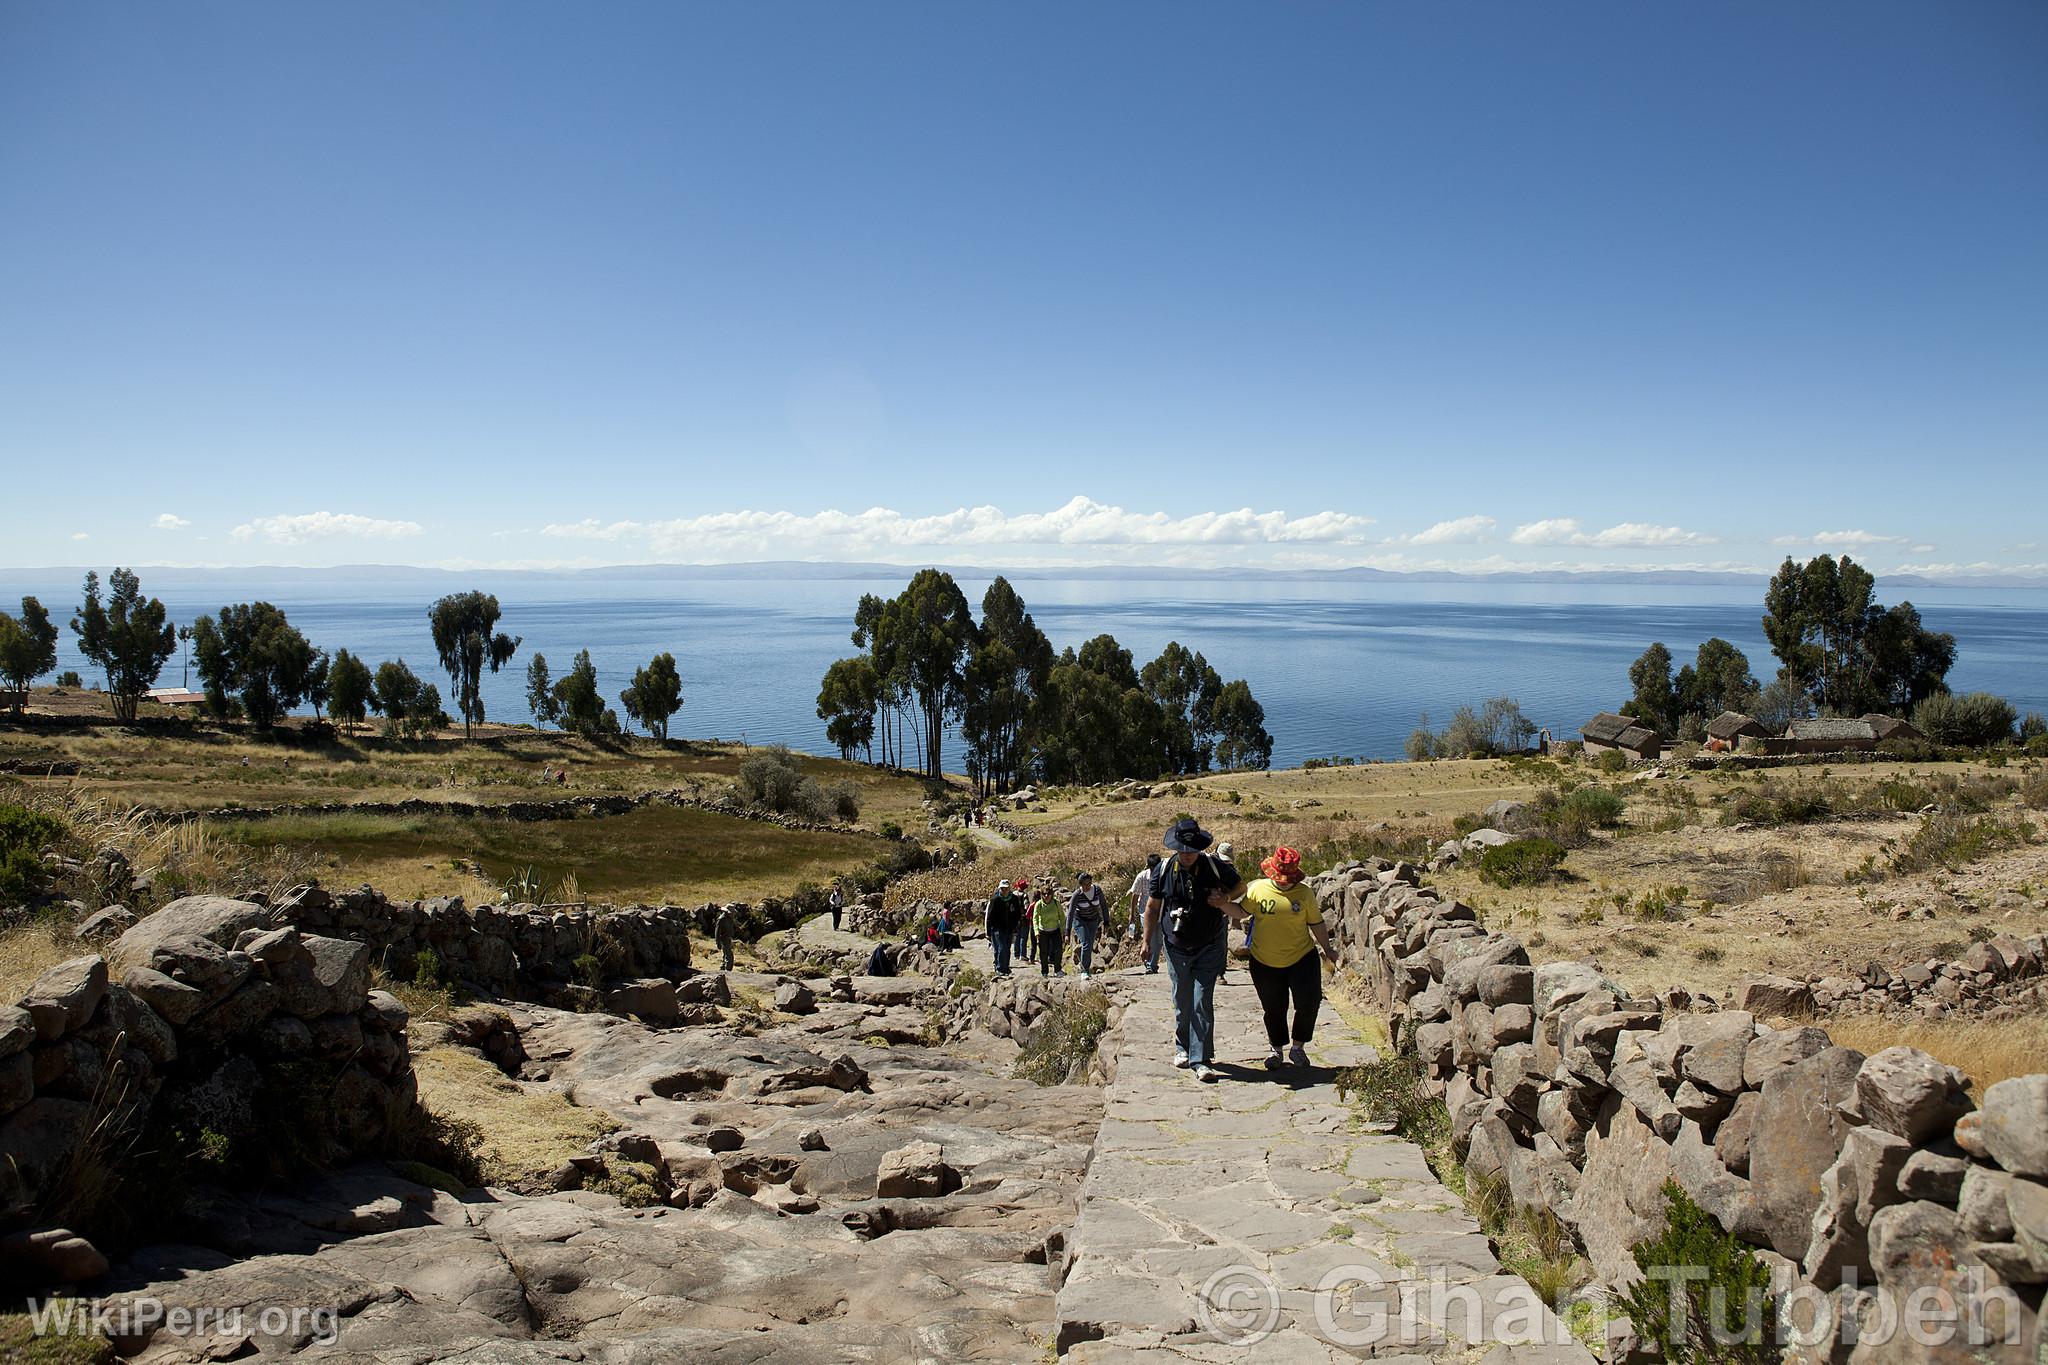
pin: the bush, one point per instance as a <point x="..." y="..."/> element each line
<point x="1570" y="819"/>
<point x="1063" y="1041"/>
<point x="774" y="778"/>
<point x="1390" y="1091"/>
<point x="1522" y="862"/>
<point x="1723" y="1317"/>
<point x="2032" y="727"/>
<point x="1612" y="761"/>
<point x="1973" y="718"/>
<point x="1951" y="840"/>
<point x="24" y="836"/>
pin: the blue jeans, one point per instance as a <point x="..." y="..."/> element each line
<point x="1021" y="944"/>
<point x="999" y="944"/>
<point x="1194" y="976"/>
<point x="1152" y="945"/>
<point x="1084" y="943"/>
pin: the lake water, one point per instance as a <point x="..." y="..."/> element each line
<point x="1341" y="667"/>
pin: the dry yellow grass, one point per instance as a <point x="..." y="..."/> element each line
<point x="527" y="1131"/>
<point x="1985" y="1050"/>
<point x="29" y="950"/>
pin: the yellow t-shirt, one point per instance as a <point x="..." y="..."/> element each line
<point x="1280" y="921"/>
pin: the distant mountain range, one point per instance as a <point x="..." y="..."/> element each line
<point x="793" y="569"/>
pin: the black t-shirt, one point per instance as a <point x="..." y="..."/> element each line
<point x="1186" y="889"/>
<point x="1003" y="913"/>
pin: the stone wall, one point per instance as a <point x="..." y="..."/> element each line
<point x="2005" y="976"/>
<point x="1835" y="1166"/>
<point x="204" y="1016"/>
<point x="559" y="808"/>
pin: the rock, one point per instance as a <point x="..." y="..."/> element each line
<point x="50" y="1256"/>
<point x="794" y="997"/>
<point x="216" y="919"/>
<point x="1701" y="1105"/>
<point x="2026" y="1206"/>
<point x="64" y="997"/>
<point x="1507" y="983"/>
<point x="724" y="1138"/>
<point x="915" y="1172"/>
<point x="111" y="922"/>
<point x="1798" y="1111"/>
<point x="17" y="1029"/>
<point x="1931" y="1176"/>
<point x="811" y="1140"/>
<point x="1715" y="1048"/>
<point x="1621" y="1195"/>
<point x="1969" y="1134"/>
<point x="2015" y="1125"/>
<point x="174" y="1000"/>
<point x="1776" y="996"/>
<point x="1557" y="984"/>
<point x="651" y="1000"/>
<point x="1904" y="1091"/>
<point x="1774" y="1049"/>
<point x="1516" y="1081"/>
<point x="710" y="988"/>
<point x="1733" y="1138"/>
<point x="1981" y="1211"/>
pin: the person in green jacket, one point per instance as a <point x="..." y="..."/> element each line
<point x="1051" y="923"/>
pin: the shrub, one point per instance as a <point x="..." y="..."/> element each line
<point x="1522" y="862"/>
<point x="2032" y="727"/>
<point x="1390" y="1091"/>
<point x="1972" y="718"/>
<point x="1063" y="1041"/>
<point x="588" y="970"/>
<point x="24" y="836"/>
<point x="1950" y="840"/>
<point x="1612" y="761"/>
<point x="1723" y="1316"/>
<point x="426" y="970"/>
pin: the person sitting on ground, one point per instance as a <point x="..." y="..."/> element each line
<point x="1085" y="914"/>
<point x="1289" y="946"/>
<point x="1050" y="923"/>
<point x="1192" y="895"/>
<point x="880" y="963"/>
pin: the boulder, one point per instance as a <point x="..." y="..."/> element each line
<point x="1621" y="1195"/>
<point x="811" y="1140"/>
<point x="64" y="997"/>
<point x="1981" y="1211"/>
<point x="1774" y="1049"/>
<point x="652" y="1000"/>
<point x="1715" y="1047"/>
<point x="1557" y="984"/>
<point x="794" y="997"/>
<point x="2015" y="1125"/>
<point x="1968" y="1134"/>
<point x="217" y="919"/>
<point x="1904" y="1091"/>
<point x="174" y="1000"/>
<point x="1933" y="1176"/>
<point x="1733" y="1138"/>
<point x="711" y="988"/>
<point x="2026" y="1207"/>
<point x="50" y="1256"/>
<point x="111" y="922"/>
<point x="1507" y="983"/>
<point x="1799" y="1113"/>
<point x="916" y="1171"/>
<point x="1776" y="996"/>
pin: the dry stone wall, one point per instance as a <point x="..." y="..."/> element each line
<point x="204" y="1016"/>
<point x="1841" y="1169"/>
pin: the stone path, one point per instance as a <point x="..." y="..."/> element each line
<point x="817" y="932"/>
<point x="1256" y="1217"/>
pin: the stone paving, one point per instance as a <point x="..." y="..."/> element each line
<point x="1257" y="1218"/>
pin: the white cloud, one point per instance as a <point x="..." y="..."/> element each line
<point x="80" y="535"/>
<point x="1462" y="531"/>
<point x="1844" y="540"/>
<point x="1081" y="523"/>
<point x="170" y="521"/>
<point x="293" y="530"/>
<point x="1627" y="535"/>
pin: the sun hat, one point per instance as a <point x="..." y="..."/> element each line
<point x="1187" y="836"/>
<point x="1226" y="851"/>
<point x="1284" y="867"/>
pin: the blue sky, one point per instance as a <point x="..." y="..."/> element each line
<point x="1413" y="285"/>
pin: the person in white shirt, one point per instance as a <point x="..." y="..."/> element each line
<point x="1141" y="892"/>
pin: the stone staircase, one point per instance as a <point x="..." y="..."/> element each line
<point x="1257" y="1218"/>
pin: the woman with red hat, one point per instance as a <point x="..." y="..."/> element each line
<point x="1288" y="939"/>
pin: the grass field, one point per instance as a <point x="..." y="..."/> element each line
<point x="655" y="853"/>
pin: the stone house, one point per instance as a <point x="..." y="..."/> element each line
<point x="1622" y="734"/>
<point x="1891" y="727"/>
<point x="1732" y="727"/>
<point x="1830" y="735"/>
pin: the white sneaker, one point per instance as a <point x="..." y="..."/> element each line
<point x="1180" y="1058"/>
<point x="1273" y="1062"/>
<point x="1298" y="1055"/>
<point x="1207" y="1074"/>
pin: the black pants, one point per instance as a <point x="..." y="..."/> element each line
<point x="1051" y="947"/>
<point x="1303" y="981"/>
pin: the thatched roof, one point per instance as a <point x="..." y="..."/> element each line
<point x="1639" y="738"/>
<point x="1832" y="728"/>
<point x="1606" y="727"/>
<point x="1891" y="727"/>
<point x="1733" y="725"/>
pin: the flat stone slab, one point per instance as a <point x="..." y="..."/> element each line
<point x="1259" y="1213"/>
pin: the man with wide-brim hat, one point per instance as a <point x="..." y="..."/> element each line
<point x="1191" y="904"/>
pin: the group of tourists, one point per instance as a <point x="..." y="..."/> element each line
<point x="1037" y="923"/>
<point x="1183" y="906"/>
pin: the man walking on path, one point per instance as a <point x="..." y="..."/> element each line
<point x="1193" y="895"/>
<point x="1027" y="937"/>
<point x="723" y="930"/>
<point x="1141" y="893"/>
<point x="1085" y="914"/>
<point x="1005" y="916"/>
<point x="838" y="903"/>
<point x="1289" y="945"/>
<point x="1050" y="923"/>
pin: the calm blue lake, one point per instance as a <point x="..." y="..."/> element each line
<point x="1341" y="667"/>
